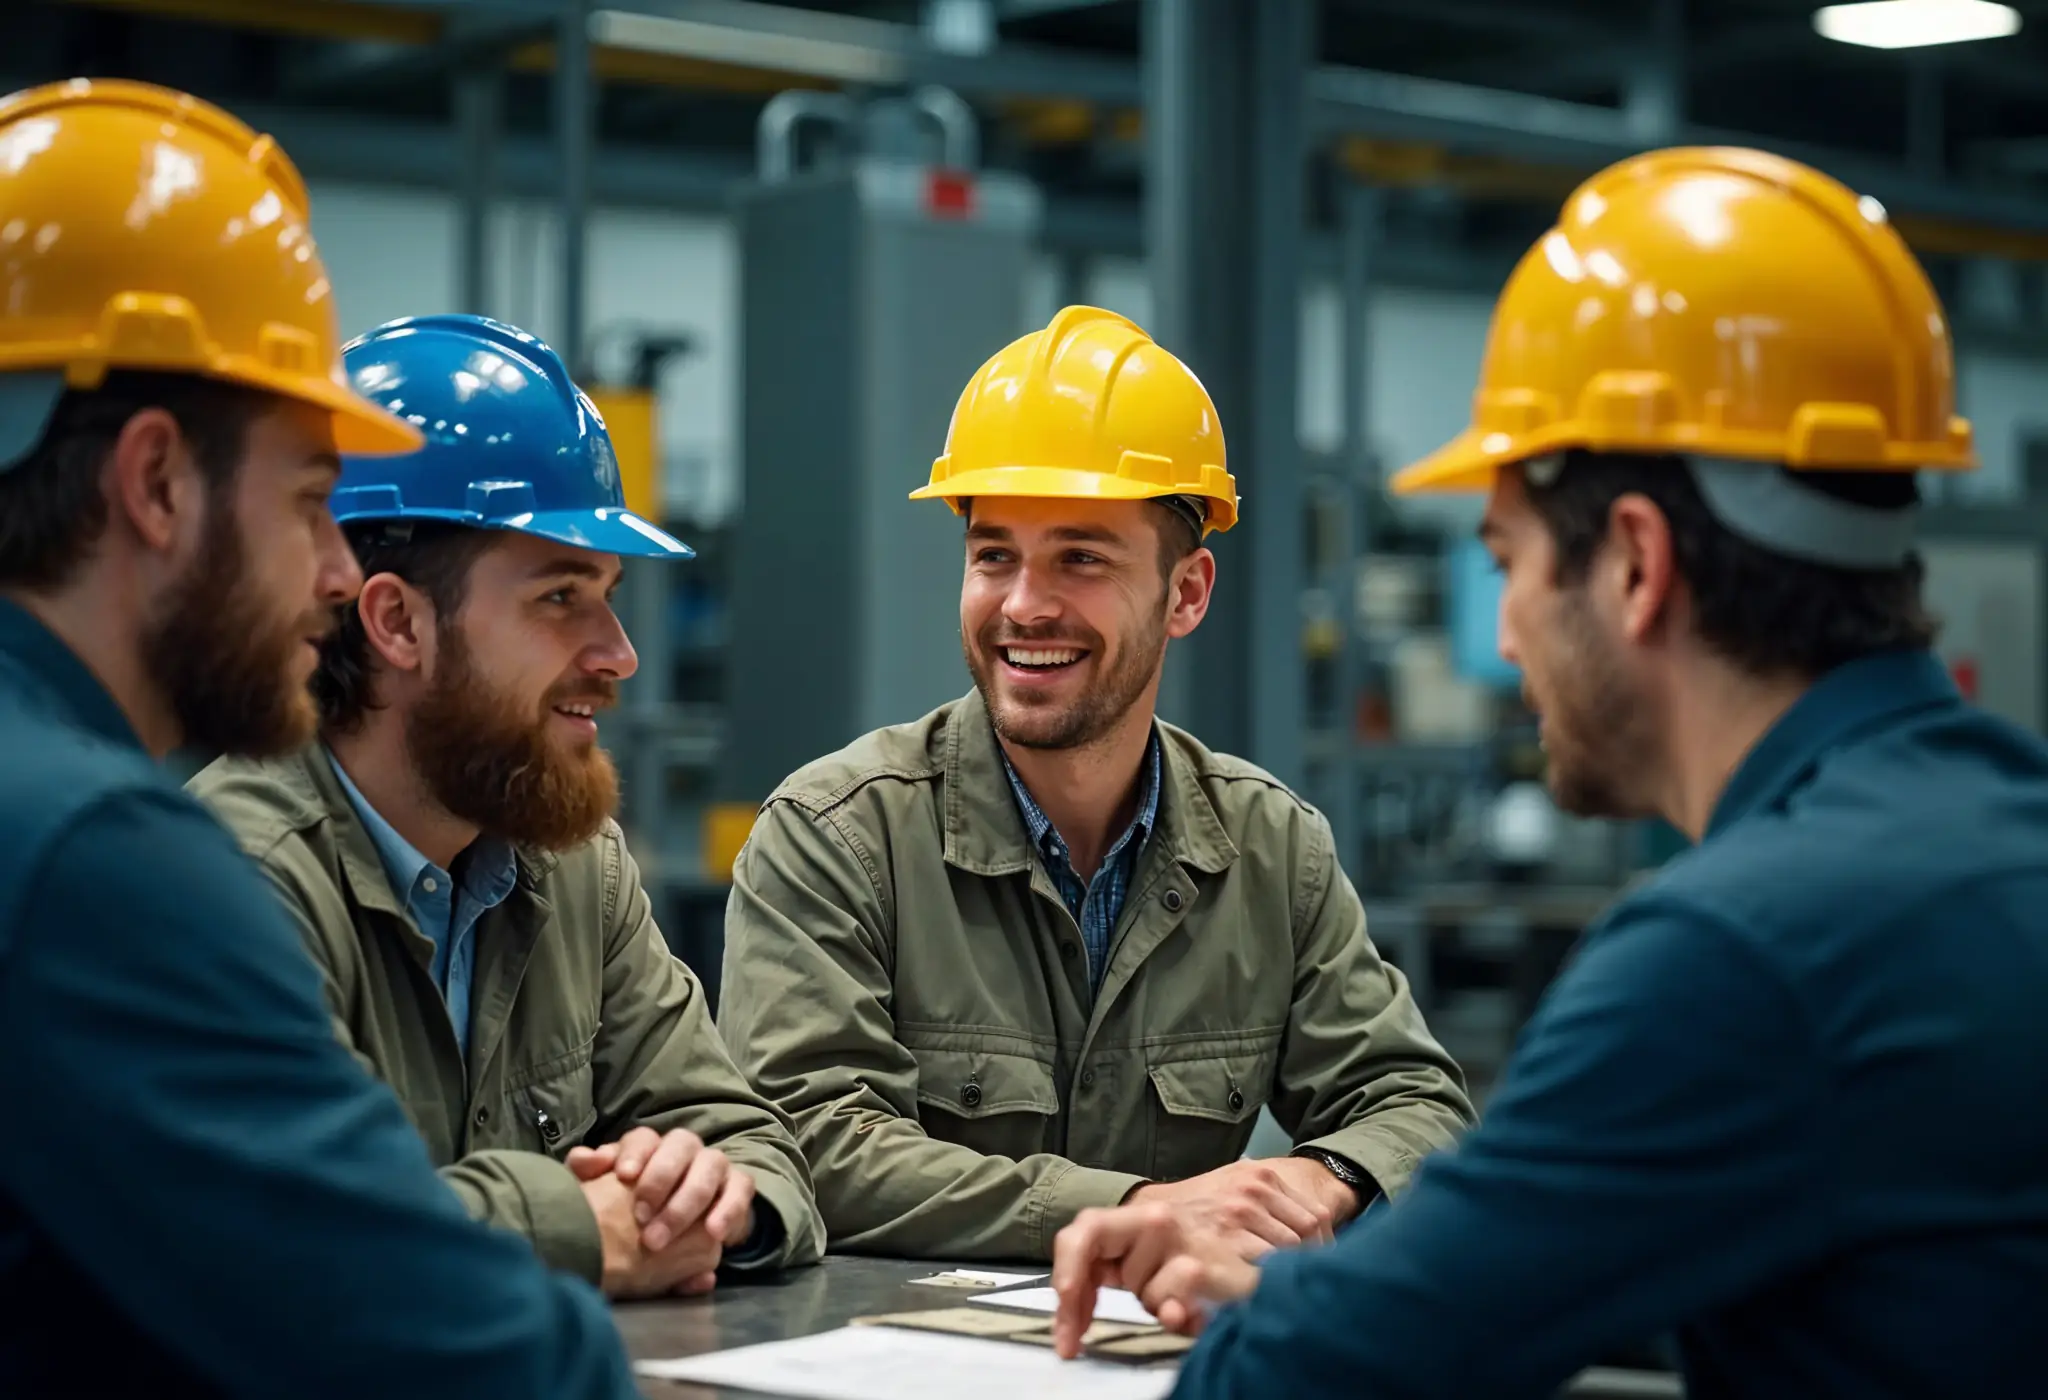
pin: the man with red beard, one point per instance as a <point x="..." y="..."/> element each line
<point x="1786" y="1100"/>
<point x="448" y="851"/>
<point x="1037" y="951"/>
<point x="202" y="1195"/>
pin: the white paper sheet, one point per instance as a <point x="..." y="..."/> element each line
<point x="888" y="1363"/>
<point x="1111" y="1304"/>
<point x="983" y="1278"/>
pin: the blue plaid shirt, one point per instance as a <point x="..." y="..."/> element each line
<point x="1095" y="906"/>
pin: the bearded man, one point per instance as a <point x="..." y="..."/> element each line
<point x="448" y="851"/>
<point x="208" y="1197"/>
<point x="1038" y="951"/>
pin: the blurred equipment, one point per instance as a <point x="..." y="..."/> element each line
<point x="1988" y="596"/>
<point x="631" y="412"/>
<point x="874" y="279"/>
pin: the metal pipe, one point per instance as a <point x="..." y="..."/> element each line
<point x="775" y="131"/>
<point x="479" y="115"/>
<point x="957" y="126"/>
<point x="575" y="135"/>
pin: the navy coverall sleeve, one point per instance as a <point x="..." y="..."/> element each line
<point x="1656" y="1145"/>
<point x="191" y="1135"/>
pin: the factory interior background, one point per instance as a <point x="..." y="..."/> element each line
<point x="776" y="239"/>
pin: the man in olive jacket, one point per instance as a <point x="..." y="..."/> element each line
<point x="1037" y="951"/>
<point x="447" y="851"/>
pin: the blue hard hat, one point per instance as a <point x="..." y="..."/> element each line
<point x="512" y="443"/>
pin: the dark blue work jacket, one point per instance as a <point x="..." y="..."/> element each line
<point x="1789" y="1098"/>
<point x="201" y="1192"/>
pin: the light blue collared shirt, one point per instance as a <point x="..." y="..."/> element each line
<point x="445" y="909"/>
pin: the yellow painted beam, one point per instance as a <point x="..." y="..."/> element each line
<point x="318" y="19"/>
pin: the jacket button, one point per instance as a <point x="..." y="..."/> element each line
<point x="1236" y="1100"/>
<point x="1172" y="901"/>
<point x="971" y="1096"/>
<point x="1087" y="1079"/>
<point x="483" y="1115"/>
<point x="1069" y="951"/>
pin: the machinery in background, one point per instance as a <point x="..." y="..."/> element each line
<point x="631" y="409"/>
<point x="874" y="281"/>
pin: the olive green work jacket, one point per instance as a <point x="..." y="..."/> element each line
<point x="902" y="977"/>
<point x="583" y="1024"/>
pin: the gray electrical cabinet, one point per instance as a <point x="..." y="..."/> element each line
<point x="870" y="294"/>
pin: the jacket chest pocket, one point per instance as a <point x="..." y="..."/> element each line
<point x="1205" y="1109"/>
<point x="555" y="1105"/>
<point x="1000" y="1105"/>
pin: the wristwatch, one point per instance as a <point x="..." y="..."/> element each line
<point x="1343" y="1170"/>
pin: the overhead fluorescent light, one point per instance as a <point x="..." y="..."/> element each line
<point x="1913" y="24"/>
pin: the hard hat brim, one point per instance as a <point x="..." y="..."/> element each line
<point x="1061" y="483"/>
<point x="361" y="428"/>
<point x="1468" y="462"/>
<point x="607" y="530"/>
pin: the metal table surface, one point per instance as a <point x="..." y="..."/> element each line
<point x="842" y="1288"/>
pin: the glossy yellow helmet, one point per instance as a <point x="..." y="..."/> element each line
<point x="1717" y="303"/>
<point x="141" y="228"/>
<point x="1089" y="407"/>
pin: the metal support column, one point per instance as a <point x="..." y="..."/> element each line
<point x="480" y="119"/>
<point x="1653" y="97"/>
<point x="575" y="134"/>
<point x="1362" y="217"/>
<point x="1926" y="133"/>
<point x="1226" y="84"/>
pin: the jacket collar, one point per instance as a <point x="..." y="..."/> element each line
<point x="985" y="833"/>
<point x="48" y="664"/>
<point x="1842" y="705"/>
<point x="310" y="778"/>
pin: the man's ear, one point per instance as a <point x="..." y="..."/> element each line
<point x="398" y="622"/>
<point x="1188" y="592"/>
<point x="153" y="485"/>
<point x="1643" y="564"/>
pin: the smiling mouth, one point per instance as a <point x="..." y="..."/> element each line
<point x="579" y="711"/>
<point x="1042" y="659"/>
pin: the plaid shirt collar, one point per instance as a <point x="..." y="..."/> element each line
<point x="1047" y="840"/>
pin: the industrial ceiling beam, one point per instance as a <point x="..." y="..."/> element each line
<point x="864" y="51"/>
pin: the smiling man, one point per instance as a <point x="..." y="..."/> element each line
<point x="1038" y="951"/>
<point x="448" y="850"/>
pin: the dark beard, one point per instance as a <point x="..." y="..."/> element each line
<point x="1597" y="733"/>
<point x="219" y="657"/>
<point x="487" y="759"/>
<point x="1089" y="718"/>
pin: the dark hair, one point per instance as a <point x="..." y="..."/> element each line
<point x="53" y="508"/>
<point x="1768" y="613"/>
<point x="434" y="557"/>
<point x="1178" y="536"/>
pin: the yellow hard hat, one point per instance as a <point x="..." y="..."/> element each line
<point x="141" y="228"/>
<point x="1718" y="302"/>
<point x="1089" y="407"/>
